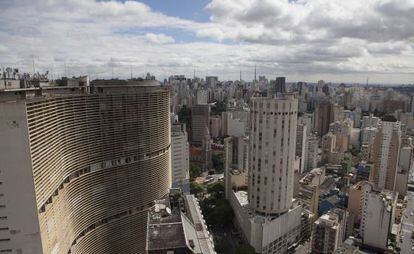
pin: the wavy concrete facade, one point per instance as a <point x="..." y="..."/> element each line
<point x="99" y="161"/>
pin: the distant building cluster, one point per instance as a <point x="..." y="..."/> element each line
<point x="129" y="166"/>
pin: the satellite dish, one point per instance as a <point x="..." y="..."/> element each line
<point x="168" y="210"/>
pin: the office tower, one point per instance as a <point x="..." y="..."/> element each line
<point x="325" y="114"/>
<point x="200" y="122"/>
<point x="311" y="159"/>
<point x="280" y="85"/>
<point x="202" y="155"/>
<point x="176" y="225"/>
<point x="180" y="157"/>
<point x="329" y="231"/>
<point x="272" y="146"/>
<point x="236" y="155"/>
<point x="377" y="218"/>
<point x="301" y="145"/>
<point x="385" y="154"/>
<point x="301" y="87"/>
<point x="81" y="170"/>
<point x="211" y="81"/>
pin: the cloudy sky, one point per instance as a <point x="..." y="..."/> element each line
<point x="334" y="40"/>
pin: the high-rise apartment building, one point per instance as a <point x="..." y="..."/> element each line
<point x="268" y="216"/>
<point x="180" y="165"/>
<point x="311" y="159"/>
<point x="357" y="196"/>
<point x="326" y="113"/>
<point x="272" y="146"/>
<point x="200" y="123"/>
<point x="378" y="211"/>
<point x="329" y="231"/>
<point x="80" y="170"/>
<point x="236" y="161"/>
<point x="404" y="168"/>
<point x="385" y="153"/>
<point x="301" y="145"/>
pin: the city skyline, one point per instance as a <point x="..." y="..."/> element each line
<point x="304" y="40"/>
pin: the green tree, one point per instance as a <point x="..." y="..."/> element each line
<point x="216" y="190"/>
<point x="195" y="171"/>
<point x="222" y="246"/>
<point x="245" y="249"/>
<point x="217" y="212"/>
<point x="218" y="162"/>
<point x="196" y="188"/>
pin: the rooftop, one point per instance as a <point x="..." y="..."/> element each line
<point x="176" y="222"/>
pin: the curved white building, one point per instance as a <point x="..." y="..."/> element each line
<point x="81" y="170"/>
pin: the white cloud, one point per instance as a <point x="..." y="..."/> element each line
<point x="303" y="39"/>
<point x="159" y="38"/>
<point x="3" y="48"/>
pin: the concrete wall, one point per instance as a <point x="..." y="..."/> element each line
<point x="282" y="225"/>
<point x="18" y="210"/>
<point x="240" y="216"/>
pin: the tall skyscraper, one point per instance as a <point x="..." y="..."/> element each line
<point x="272" y="146"/>
<point x="312" y="143"/>
<point x="180" y="157"/>
<point x="268" y="216"/>
<point x="280" y="85"/>
<point x="385" y="154"/>
<point x="326" y="113"/>
<point x="301" y="145"/>
<point x="80" y="170"/>
<point x="236" y="152"/>
<point x="200" y="123"/>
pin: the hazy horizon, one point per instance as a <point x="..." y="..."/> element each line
<point x="307" y="40"/>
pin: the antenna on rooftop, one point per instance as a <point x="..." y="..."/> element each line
<point x="255" y="74"/>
